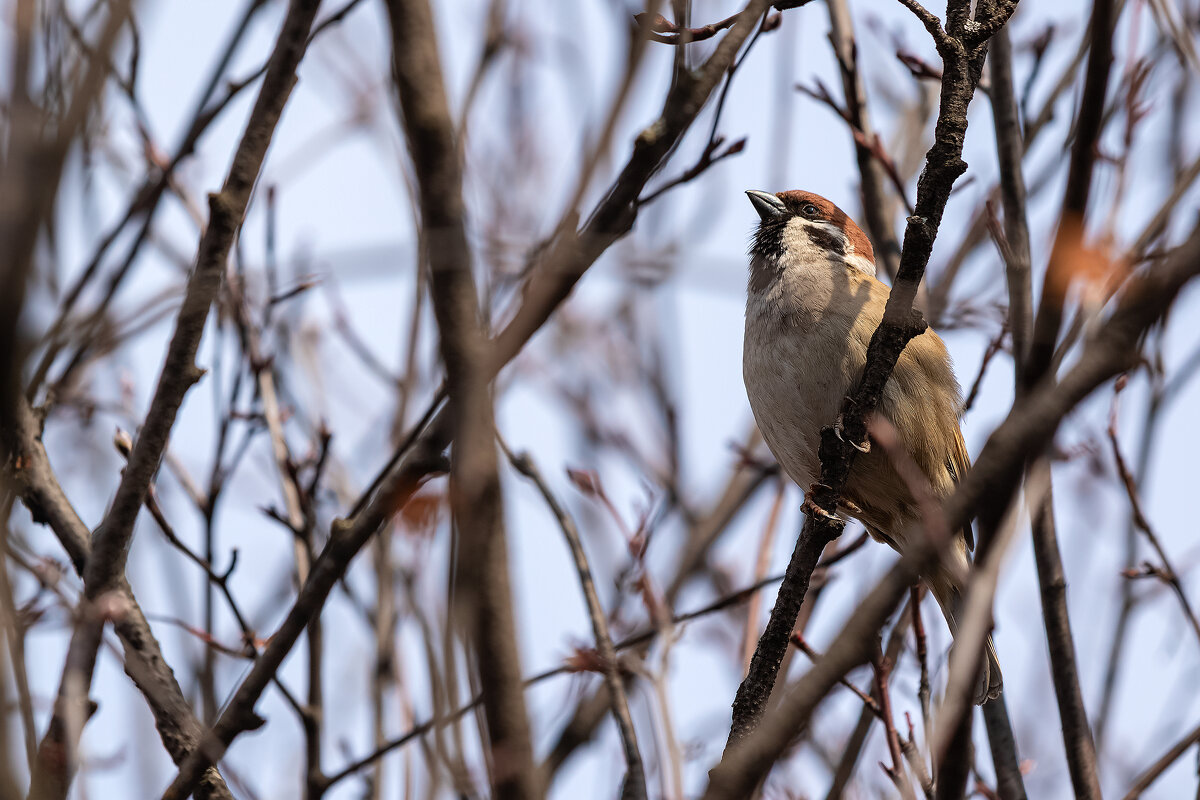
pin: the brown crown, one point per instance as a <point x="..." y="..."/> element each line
<point x="795" y="201"/>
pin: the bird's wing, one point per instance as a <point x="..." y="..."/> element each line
<point x="958" y="464"/>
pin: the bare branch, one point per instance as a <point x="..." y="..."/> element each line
<point x="634" y="785"/>
<point x="1010" y="151"/>
<point x="1166" y="570"/>
<point x="930" y="21"/>
<point x="876" y="206"/>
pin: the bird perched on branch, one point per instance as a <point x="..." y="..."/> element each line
<point x="812" y="304"/>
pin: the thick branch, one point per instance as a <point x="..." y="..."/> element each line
<point x="1081" y="754"/>
<point x="1077" y="736"/>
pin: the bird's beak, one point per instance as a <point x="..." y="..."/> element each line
<point x="768" y="206"/>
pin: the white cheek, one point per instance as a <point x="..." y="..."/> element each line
<point x="861" y="263"/>
<point x="797" y="244"/>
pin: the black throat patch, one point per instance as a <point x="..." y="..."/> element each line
<point x="768" y="238"/>
<point x="765" y="251"/>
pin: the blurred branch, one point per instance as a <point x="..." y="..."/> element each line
<point x="1009" y="783"/>
<point x="662" y="30"/>
<point x="347" y="537"/>
<point x="655" y="25"/>
<point x="858" y="737"/>
<point x="1160" y="398"/>
<point x="555" y="272"/>
<point x="762" y="563"/>
<point x="144" y="203"/>
<point x="877" y="208"/>
<point x="34" y="158"/>
<point x="15" y="629"/>
<point x="1010" y="151"/>
<point x="703" y="530"/>
<point x="869" y="702"/>
<point x="32" y="169"/>
<point x="1077" y="737"/>
<point x="916" y="761"/>
<point x="1010" y="154"/>
<point x="561" y="264"/>
<point x="635" y="640"/>
<point x="954" y="763"/>
<point x="146" y="200"/>
<point x="709" y="157"/>
<point x="882" y="669"/>
<point x="1078" y="189"/>
<point x="482" y="598"/>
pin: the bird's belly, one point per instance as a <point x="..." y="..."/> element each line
<point x="792" y="391"/>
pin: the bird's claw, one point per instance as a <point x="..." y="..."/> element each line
<point x="811" y="509"/>
<point x="838" y="427"/>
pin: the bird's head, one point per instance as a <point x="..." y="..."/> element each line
<point x="802" y="229"/>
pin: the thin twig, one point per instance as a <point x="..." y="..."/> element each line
<point x="882" y="669"/>
<point x="804" y="647"/>
<point x="1165" y="571"/>
<point x="634" y="785"/>
<point x="922" y="650"/>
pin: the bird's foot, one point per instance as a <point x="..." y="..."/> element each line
<point x="838" y="427"/>
<point x="811" y="509"/>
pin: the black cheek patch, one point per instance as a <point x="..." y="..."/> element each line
<point x="827" y="240"/>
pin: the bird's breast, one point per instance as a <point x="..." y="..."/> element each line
<point x="796" y="375"/>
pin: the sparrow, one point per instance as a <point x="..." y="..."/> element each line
<point x="812" y="304"/>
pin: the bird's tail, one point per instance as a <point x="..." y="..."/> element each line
<point x="991" y="682"/>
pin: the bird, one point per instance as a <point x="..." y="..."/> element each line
<point x="812" y="304"/>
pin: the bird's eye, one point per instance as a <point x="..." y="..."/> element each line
<point x="809" y="210"/>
